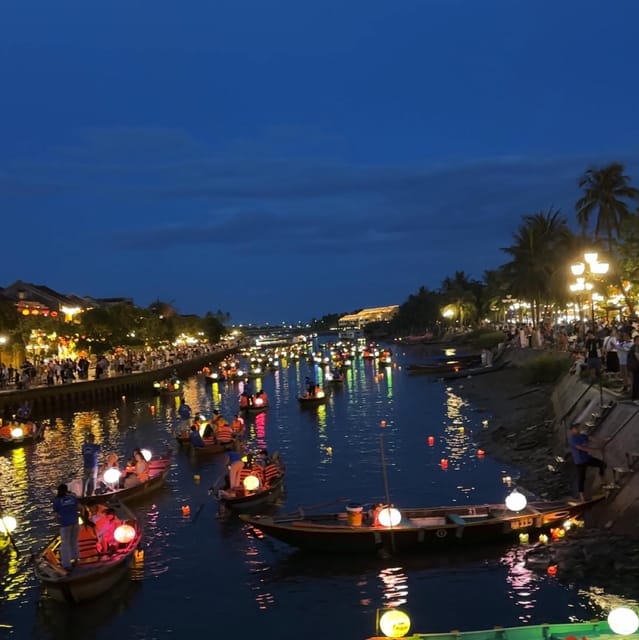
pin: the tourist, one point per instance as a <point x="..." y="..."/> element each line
<point x="593" y="355"/>
<point x="90" y="453"/>
<point x="580" y="449"/>
<point x="138" y="471"/>
<point x="632" y="365"/>
<point x="184" y="410"/>
<point x="623" y="346"/>
<point x="194" y="436"/>
<point x="105" y="529"/>
<point x="66" y="506"/>
<point x="235" y="466"/>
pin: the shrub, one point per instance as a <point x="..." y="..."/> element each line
<point x="548" y="368"/>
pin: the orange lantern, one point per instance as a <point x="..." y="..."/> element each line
<point x="552" y="570"/>
<point x="431" y="441"/>
<point x="444" y="463"/>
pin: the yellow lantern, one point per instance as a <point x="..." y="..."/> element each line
<point x="124" y="533"/>
<point x="251" y="483"/>
<point x="543" y="538"/>
<point x="8" y="524"/>
<point x="623" y="621"/>
<point x="524" y="538"/>
<point x="389" y="517"/>
<point x="394" y="623"/>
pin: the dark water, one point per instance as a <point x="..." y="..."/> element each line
<point x="207" y="575"/>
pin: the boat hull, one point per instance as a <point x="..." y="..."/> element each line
<point x="32" y="438"/>
<point x="255" y="500"/>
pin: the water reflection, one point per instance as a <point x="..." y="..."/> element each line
<point x="523" y="582"/>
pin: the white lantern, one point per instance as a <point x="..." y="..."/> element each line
<point x="8" y="524"/>
<point x="251" y="483"/>
<point x="111" y="476"/>
<point x="124" y="533"/>
<point x="389" y="517"/>
<point x="623" y="621"/>
<point x="146" y="454"/>
<point x="17" y="433"/>
<point x="394" y="623"/>
<point x="516" y="501"/>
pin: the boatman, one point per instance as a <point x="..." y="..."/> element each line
<point x="90" y="453"/>
<point x="580" y="449"/>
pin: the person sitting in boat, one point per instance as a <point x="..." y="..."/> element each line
<point x="310" y="387"/>
<point x="261" y="399"/>
<point x="111" y="462"/>
<point x="195" y="438"/>
<point x="262" y="457"/>
<point x="209" y="430"/>
<point x="235" y="466"/>
<point x="245" y="400"/>
<point x="223" y="432"/>
<point x="250" y="468"/>
<point x="105" y="525"/>
<point x="237" y="426"/>
<point x="184" y="410"/>
<point x="24" y="412"/>
<point x="138" y="472"/>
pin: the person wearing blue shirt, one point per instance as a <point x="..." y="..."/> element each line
<point x="185" y="410"/>
<point x="580" y="449"/>
<point x="90" y="453"/>
<point x="66" y="506"/>
<point x="195" y="438"/>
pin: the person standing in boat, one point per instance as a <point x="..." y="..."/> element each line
<point x="184" y="410"/>
<point x="66" y="507"/>
<point x="90" y="453"/>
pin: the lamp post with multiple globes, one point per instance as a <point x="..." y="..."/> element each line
<point x="583" y="272"/>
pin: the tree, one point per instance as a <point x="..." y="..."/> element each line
<point x="604" y="192"/>
<point x="462" y="293"/>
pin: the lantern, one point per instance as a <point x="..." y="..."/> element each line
<point x="111" y="476"/>
<point x="516" y="501"/>
<point x="382" y="423"/>
<point x="524" y="538"/>
<point x="146" y="454"/>
<point x="480" y="453"/>
<point x="623" y="621"/>
<point x="431" y="441"/>
<point x="394" y="623"/>
<point x="444" y="463"/>
<point x="389" y="517"/>
<point x="17" y="433"/>
<point x="124" y="533"/>
<point x="258" y="402"/>
<point x="186" y="510"/>
<point x="543" y="538"/>
<point x="251" y="483"/>
<point x="552" y="570"/>
<point x="8" y="524"/>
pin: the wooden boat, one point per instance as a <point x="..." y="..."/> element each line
<point x="95" y="572"/>
<point x="475" y="371"/>
<point x="211" y="445"/>
<point x="251" y="500"/>
<point x="170" y="387"/>
<point x="158" y="470"/>
<point x="420" y="529"/>
<point x="255" y="407"/>
<point x="311" y="401"/>
<point x="436" y="368"/>
<point x="561" y="631"/>
<point x="17" y="434"/>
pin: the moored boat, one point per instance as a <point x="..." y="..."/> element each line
<point x="474" y="371"/>
<point x="17" y="434"/>
<point x="96" y="571"/>
<point x="414" y="530"/>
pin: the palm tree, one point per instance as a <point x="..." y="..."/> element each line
<point x="461" y="293"/>
<point x="604" y="191"/>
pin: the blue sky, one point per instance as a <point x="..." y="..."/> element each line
<point x="281" y="160"/>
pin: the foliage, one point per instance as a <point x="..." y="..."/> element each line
<point x="462" y="295"/>
<point x="326" y="322"/>
<point x="418" y="315"/>
<point x="547" y="368"/>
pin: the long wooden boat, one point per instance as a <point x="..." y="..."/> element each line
<point x="17" y="434"/>
<point x="311" y="401"/>
<point x="475" y="371"/>
<point x="158" y="470"/>
<point x="560" y="631"/>
<point x="420" y="529"/>
<point x="249" y="501"/>
<point x="95" y="572"/>
<point x="211" y="445"/>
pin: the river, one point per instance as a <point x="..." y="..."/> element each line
<point x="203" y="574"/>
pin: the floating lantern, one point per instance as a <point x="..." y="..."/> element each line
<point x="8" y="524"/>
<point x="394" y="623"/>
<point x="138" y="555"/>
<point x="124" y="533"/>
<point x="111" y="476"/>
<point x="383" y="423"/>
<point x="444" y="463"/>
<point x="516" y="501"/>
<point x="196" y="477"/>
<point x="152" y="408"/>
<point x="507" y="480"/>
<point x="480" y="453"/>
<point x="329" y="451"/>
<point x="552" y="570"/>
<point x="543" y="538"/>
<point x="623" y="621"/>
<point x="431" y="441"/>
<point x="123" y="398"/>
<point x="389" y="517"/>
<point x="146" y="454"/>
<point x="17" y="433"/>
<point x="251" y="483"/>
<point x="524" y="538"/>
<point x="484" y="423"/>
<point x="186" y="510"/>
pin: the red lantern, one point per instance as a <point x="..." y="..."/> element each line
<point x="431" y="441"/>
<point x="552" y="570"/>
<point x="444" y="463"/>
<point x="480" y="453"/>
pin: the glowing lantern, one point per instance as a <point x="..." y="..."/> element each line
<point x="431" y="441"/>
<point x="552" y="570"/>
<point x="623" y="621"/>
<point x="383" y="423"/>
<point x="17" y="433"/>
<point x="524" y="538"/>
<point x="543" y="538"/>
<point x="146" y="454"/>
<point x="389" y="517"/>
<point x="186" y="510"/>
<point x="251" y="483"/>
<point x="394" y="623"/>
<point x="444" y="463"/>
<point x="8" y="524"/>
<point x="568" y="525"/>
<point x="258" y="402"/>
<point x="484" y="423"/>
<point x="111" y="476"/>
<point x="516" y="501"/>
<point x="124" y="533"/>
<point x="480" y="453"/>
<point x="196" y="477"/>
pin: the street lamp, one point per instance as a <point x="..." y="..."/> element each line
<point x="583" y="271"/>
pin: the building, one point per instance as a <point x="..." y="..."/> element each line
<point x="351" y="325"/>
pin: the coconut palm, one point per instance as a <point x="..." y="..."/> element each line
<point x="461" y="293"/>
<point x="605" y="190"/>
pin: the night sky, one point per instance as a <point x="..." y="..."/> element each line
<point x="280" y="160"/>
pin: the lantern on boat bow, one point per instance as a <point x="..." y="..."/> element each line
<point x="394" y="623"/>
<point x="124" y="533"/>
<point x="251" y="483"/>
<point x="623" y="621"/>
<point x="17" y="433"/>
<point x="516" y="501"/>
<point x="111" y="476"/>
<point x="389" y="517"/>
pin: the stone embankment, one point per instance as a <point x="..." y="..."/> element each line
<point x="528" y="429"/>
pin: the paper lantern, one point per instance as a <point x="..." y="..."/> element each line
<point x="186" y="510"/>
<point x="17" y="433"/>
<point x="623" y="621"/>
<point x="552" y="570"/>
<point x="444" y="463"/>
<point x="146" y="454"/>
<point x="251" y="483"/>
<point x="389" y="517"/>
<point x="124" y="533"/>
<point x="8" y="524"/>
<point x="516" y="501"/>
<point x="394" y="623"/>
<point x="524" y="538"/>
<point x="543" y="538"/>
<point x="431" y="441"/>
<point x="111" y="476"/>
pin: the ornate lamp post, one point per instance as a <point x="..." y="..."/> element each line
<point x="583" y="272"/>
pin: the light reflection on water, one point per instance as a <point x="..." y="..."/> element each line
<point x="223" y="569"/>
